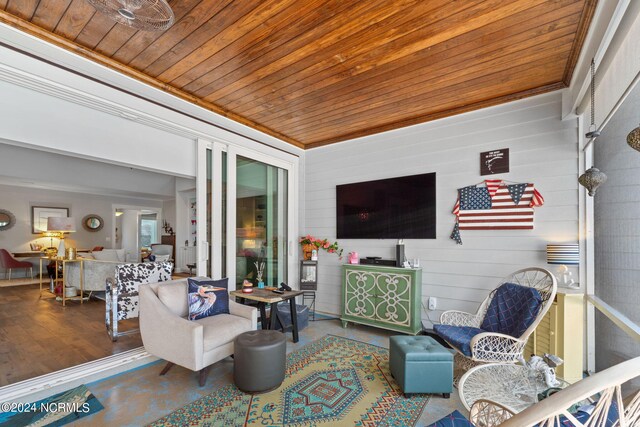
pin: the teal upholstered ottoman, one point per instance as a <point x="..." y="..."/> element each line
<point x="421" y="365"/>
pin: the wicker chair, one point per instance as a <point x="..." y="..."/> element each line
<point x="602" y="389"/>
<point x="488" y="347"/>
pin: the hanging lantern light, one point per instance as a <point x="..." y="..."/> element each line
<point x="633" y="139"/>
<point x="592" y="179"/>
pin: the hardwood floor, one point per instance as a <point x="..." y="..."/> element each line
<point x="39" y="336"/>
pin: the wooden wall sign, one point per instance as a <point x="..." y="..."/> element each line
<point x="493" y="162"/>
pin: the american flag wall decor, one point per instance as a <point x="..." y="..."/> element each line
<point x="495" y="205"/>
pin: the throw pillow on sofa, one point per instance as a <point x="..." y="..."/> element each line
<point x="207" y="298"/>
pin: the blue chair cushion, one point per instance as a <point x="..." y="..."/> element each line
<point x="458" y="336"/>
<point x="454" y="419"/>
<point x="512" y="310"/>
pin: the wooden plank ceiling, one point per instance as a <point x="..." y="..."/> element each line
<point x="314" y="72"/>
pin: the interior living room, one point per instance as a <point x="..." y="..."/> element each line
<point x="319" y="213"/>
<point x="100" y="199"/>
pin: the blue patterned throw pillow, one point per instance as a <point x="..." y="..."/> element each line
<point x="454" y="419"/>
<point x="207" y="298"/>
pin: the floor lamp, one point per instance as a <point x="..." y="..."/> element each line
<point x="61" y="225"/>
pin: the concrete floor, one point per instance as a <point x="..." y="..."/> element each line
<point x="141" y="396"/>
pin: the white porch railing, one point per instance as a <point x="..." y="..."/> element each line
<point x="620" y="320"/>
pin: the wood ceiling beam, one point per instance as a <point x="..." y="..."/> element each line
<point x="47" y="15"/>
<point x="182" y="54"/>
<point x="94" y="31"/>
<point x="450" y="22"/>
<point x="78" y="14"/>
<point x="581" y="35"/>
<point x="193" y="29"/>
<point x="435" y="116"/>
<point x="22" y="8"/>
<point x="296" y="95"/>
<point x="59" y="41"/>
<point x="429" y="85"/>
<point x="274" y="31"/>
<point x="187" y="14"/>
<point x="499" y="83"/>
<point x="382" y="38"/>
<point x="296" y="35"/>
<point x="231" y="31"/>
<point x="312" y="71"/>
<point x="445" y="61"/>
<point x="311" y="45"/>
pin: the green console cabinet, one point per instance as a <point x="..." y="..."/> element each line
<point x="384" y="297"/>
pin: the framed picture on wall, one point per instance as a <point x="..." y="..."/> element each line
<point x="496" y="161"/>
<point x="39" y="215"/>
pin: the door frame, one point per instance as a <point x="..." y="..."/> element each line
<point x="114" y="207"/>
<point x="217" y="148"/>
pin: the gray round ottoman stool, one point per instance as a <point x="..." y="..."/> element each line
<point x="259" y="360"/>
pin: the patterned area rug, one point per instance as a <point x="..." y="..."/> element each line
<point x="58" y="410"/>
<point x="332" y="381"/>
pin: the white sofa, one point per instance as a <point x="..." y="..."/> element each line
<point x="98" y="267"/>
<point x="96" y="274"/>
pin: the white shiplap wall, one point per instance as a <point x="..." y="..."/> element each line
<point x="543" y="150"/>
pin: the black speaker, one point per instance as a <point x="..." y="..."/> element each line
<point x="399" y="255"/>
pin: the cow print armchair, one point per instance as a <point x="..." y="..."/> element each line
<point x="122" y="292"/>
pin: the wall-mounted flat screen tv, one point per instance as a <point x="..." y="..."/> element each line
<point x="394" y="208"/>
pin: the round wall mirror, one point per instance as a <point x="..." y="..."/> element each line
<point x="92" y="222"/>
<point x="7" y="220"/>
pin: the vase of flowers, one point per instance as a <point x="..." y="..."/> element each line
<point x="310" y="243"/>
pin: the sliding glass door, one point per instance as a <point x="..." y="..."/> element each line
<point x="245" y="216"/>
<point x="261" y="223"/>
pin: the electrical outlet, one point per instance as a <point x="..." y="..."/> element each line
<point x="433" y="302"/>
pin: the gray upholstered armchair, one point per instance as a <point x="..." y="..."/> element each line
<point x="193" y="344"/>
<point x="161" y="253"/>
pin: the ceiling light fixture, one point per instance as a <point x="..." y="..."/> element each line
<point x="148" y="15"/>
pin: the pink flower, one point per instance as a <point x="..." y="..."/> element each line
<point x="326" y="245"/>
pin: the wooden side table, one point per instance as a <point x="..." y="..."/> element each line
<point x="263" y="297"/>
<point x="64" y="262"/>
